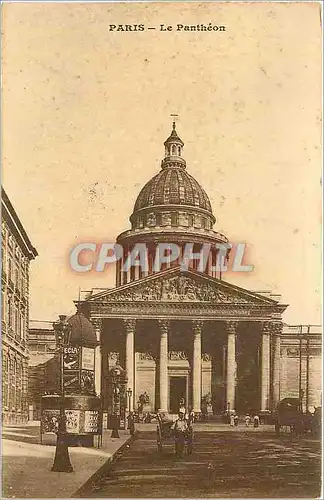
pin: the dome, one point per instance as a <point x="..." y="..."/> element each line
<point x="82" y="330"/>
<point x="172" y="186"/>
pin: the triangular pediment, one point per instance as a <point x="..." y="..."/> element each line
<point x="176" y="285"/>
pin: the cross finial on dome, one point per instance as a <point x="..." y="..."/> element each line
<point x="174" y="116"/>
<point x="173" y="149"/>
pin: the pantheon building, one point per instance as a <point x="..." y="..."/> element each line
<point x="184" y="333"/>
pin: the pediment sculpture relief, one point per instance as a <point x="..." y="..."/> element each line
<point x="177" y="289"/>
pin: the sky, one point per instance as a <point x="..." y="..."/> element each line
<point x="86" y="111"/>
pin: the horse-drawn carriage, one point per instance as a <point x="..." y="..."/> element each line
<point x="289" y="416"/>
<point x="166" y="431"/>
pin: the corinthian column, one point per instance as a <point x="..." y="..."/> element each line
<point x="163" y="365"/>
<point x="265" y="366"/>
<point x="196" y="366"/>
<point x="276" y="333"/>
<point x="97" y="324"/>
<point x="231" y="327"/>
<point x="130" y="326"/>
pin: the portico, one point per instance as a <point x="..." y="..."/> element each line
<point x="184" y="334"/>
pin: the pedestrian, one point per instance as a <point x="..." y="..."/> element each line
<point x="236" y="420"/>
<point x="180" y="429"/>
<point x="232" y="421"/>
<point x="182" y="406"/>
<point x="131" y="424"/>
<point x="190" y="416"/>
<point x="247" y="420"/>
<point x="256" y="421"/>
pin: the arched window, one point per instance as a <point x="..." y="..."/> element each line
<point x="174" y="149"/>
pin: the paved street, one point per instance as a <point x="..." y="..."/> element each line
<point x="26" y="464"/>
<point x="235" y="463"/>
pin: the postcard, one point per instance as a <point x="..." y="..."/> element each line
<point x="161" y="249"/>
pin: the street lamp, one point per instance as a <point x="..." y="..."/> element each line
<point x="62" y="460"/>
<point x="116" y="402"/>
<point x="129" y="395"/>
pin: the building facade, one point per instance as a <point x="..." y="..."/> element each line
<point x="17" y="252"/>
<point x="301" y="364"/>
<point x="186" y="333"/>
<point x="43" y="367"/>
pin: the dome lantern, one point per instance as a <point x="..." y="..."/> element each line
<point x="173" y="151"/>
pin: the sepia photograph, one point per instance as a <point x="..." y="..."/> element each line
<point x="161" y="208"/>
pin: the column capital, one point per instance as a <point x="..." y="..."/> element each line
<point x="231" y="326"/>
<point x="97" y="322"/>
<point x="276" y="328"/>
<point x="266" y="327"/>
<point x="164" y="325"/>
<point x="97" y="325"/>
<point x="129" y="325"/>
<point x="197" y="326"/>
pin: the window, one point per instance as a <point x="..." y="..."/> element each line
<point x="11" y="383"/>
<point x="166" y="194"/>
<point x="16" y="276"/>
<point x="13" y="389"/>
<point x="22" y="325"/>
<point x="158" y="219"/>
<point x="174" y="219"/>
<point x="10" y="267"/>
<point x="5" y="379"/>
<point x="4" y="258"/>
<point x="19" y="379"/>
<point x="10" y="311"/>
<point x="22" y="289"/>
<point x="3" y="309"/>
<point x="17" y="323"/>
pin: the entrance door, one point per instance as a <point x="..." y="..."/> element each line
<point x="178" y="390"/>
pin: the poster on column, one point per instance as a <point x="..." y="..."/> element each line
<point x="88" y="358"/>
<point x="162" y="172"/>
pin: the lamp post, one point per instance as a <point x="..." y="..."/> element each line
<point x="115" y="423"/>
<point x="129" y="395"/>
<point x="62" y="460"/>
